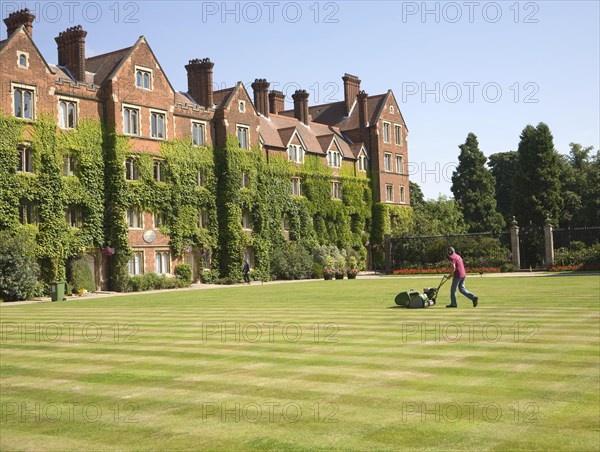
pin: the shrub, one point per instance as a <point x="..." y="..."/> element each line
<point x="80" y="276"/>
<point x="317" y="271"/>
<point x="291" y="261"/>
<point x="18" y="268"/>
<point x="184" y="273"/>
<point x="208" y="276"/>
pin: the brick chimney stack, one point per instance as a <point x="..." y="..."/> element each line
<point x="18" y="18"/>
<point x="301" y="105"/>
<point x="71" y="51"/>
<point x="363" y="120"/>
<point x="200" y="81"/>
<point x="261" y="96"/>
<point x="276" y="102"/>
<point x="351" y="89"/>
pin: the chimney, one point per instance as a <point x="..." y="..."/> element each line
<point x="71" y="51"/>
<point x="261" y="96"/>
<point x="301" y="105"/>
<point x="200" y="81"/>
<point x="276" y="102"/>
<point x="18" y="18"/>
<point x="351" y="89"/>
<point x="363" y="120"/>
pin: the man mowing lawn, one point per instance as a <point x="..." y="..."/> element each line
<point x="458" y="279"/>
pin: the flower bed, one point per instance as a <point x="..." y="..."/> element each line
<point x="442" y="270"/>
<point x="575" y="268"/>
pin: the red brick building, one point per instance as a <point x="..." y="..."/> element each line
<point x="128" y="90"/>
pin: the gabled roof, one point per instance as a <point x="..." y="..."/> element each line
<point x="358" y="148"/>
<point x="227" y="95"/>
<point x="105" y="65"/>
<point x="4" y="44"/>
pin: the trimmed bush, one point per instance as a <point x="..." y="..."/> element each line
<point x="291" y="261"/>
<point x="80" y="276"/>
<point x="184" y="273"/>
<point x="18" y="268"/>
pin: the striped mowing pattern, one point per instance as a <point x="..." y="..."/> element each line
<point x="320" y="365"/>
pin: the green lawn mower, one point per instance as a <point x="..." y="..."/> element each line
<point x="413" y="299"/>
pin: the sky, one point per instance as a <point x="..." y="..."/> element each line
<point x="490" y="68"/>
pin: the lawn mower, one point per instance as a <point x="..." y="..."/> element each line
<point x="413" y="299"/>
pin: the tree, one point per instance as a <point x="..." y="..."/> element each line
<point x="473" y="188"/>
<point x="18" y="269"/>
<point x="416" y="194"/>
<point x="439" y="217"/>
<point x="537" y="191"/>
<point x="502" y="166"/>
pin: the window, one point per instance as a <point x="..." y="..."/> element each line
<point x="134" y="219"/>
<point x="242" y="106"/>
<point x="387" y="162"/>
<point x="131" y="169"/>
<point x="334" y="158"/>
<point x="200" y="181"/>
<point x="136" y="263"/>
<point x="246" y="220"/>
<point x="398" y="134"/>
<point x="67" y="114"/>
<point x="158" y="219"/>
<point x="336" y="190"/>
<point x="391" y="109"/>
<point x="25" y="164"/>
<point x="285" y="222"/>
<point x="245" y="180"/>
<point x="23" y="60"/>
<point x="159" y="170"/>
<point x="157" y="125"/>
<point x="162" y="262"/>
<point x="23" y="102"/>
<point x="295" y="153"/>
<point x="203" y="219"/>
<point x="143" y="78"/>
<point x="402" y="199"/>
<point x="296" y="186"/>
<point x="74" y="216"/>
<point x="242" y="135"/>
<point x="27" y="213"/>
<point x="399" y="164"/>
<point x="131" y="118"/>
<point x="362" y="163"/>
<point x="386" y="132"/>
<point x="68" y="165"/>
<point x="389" y="193"/>
<point x="198" y="133"/>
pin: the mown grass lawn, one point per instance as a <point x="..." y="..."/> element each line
<point x="307" y="366"/>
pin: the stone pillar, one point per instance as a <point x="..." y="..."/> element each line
<point x="387" y="250"/>
<point x="514" y="244"/>
<point x="549" y="243"/>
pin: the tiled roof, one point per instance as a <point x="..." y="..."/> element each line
<point x="102" y="66"/>
<point x="220" y="97"/>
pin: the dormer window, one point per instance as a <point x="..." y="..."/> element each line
<point x="295" y="153"/>
<point x="242" y="106"/>
<point x="362" y="163"/>
<point x="334" y="158"/>
<point x="143" y="78"/>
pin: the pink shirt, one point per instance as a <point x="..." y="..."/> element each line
<point x="459" y="266"/>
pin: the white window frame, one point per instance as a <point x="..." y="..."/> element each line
<point x="74" y="216"/>
<point x="387" y="162"/>
<point x="25" y="164"/>
<point x="336" y="190"/>
<point x="134" y="169"/>
<point x="136" y="263"/>
<point x="68" y="166"/>
<point x="400" y="167"/>
<point x="157" y="113"/>
<point x="237" y="133"/>
<point x="23" y="87"/>
<point x="398" y="134"/>
<point x="134" y="218"/>
<point x="62" y="121"/>
<point x="202" y="125"/>
<point x="386" y="126"/>
<point x="143" y="70"/>
<point x="158" y="220"/>
<point x="402" y="195"/>
<point x="20" y="54"/>
<point x="296" y="153"/>
<point x="160" y="164"/>
<point x="389" y="193"/>
<point x="245" y="179"/>
<point x="138" y="123"/>
<point x="334" y="158"/>
<point x="391" y="109"/>
<point x="296" y="186"/>
<point x="162" y="262"/>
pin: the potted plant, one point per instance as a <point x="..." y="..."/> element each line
<point x="328" y="274"/>
<point x="328" y="268"/>
<point x="340" y="267"/>
<point x="352" y="264"/>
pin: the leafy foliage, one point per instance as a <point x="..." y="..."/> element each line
<point x="80" y="275"/>
<point x="291" y="261"/>
<point x="18" y="268"/>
